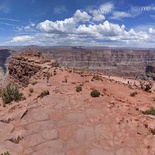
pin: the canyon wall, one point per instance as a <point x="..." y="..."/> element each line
<point x="125" y="62"/>
<point x="4" y="55"/>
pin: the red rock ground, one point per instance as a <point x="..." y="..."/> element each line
<point x="67" y="122"/>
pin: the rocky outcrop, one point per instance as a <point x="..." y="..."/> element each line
<point x="23" y="66"/>
<point x="4" y="55"/>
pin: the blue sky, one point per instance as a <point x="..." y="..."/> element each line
<point x="116" y="23"/>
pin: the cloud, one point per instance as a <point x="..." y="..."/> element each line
<point x="119" y="15"/>
<point x="8" y="24"/>
<point x="81" y="29"/>
<point x="27" y="28"/>
<point x="63" y="26"/>
<point x="137" y="10"/>
<point x="105" y="33"/>
<point x="148" y="8"/>
<point x="32" y="24"/>
<point x="102" y="30"/>
<point x="97" y="16"/>
<point x="21" y="39"/>
<point x="60" y="9"/>
<point x="133" y="12"/>
<point x="10" y="19"/>
<point x="151" y="31"/>
<point x="106" y="8"/>
<point x="81" y="16"/>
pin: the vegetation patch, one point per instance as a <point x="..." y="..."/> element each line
<point x="11" y="93"/>
<point x="79" y="88"/>
<point x="31" y="90"/>
<point x="95" y="93"/>
<point x="151" y="111"/>
<point x="96" y="77"/>
<point x="146" y="85"/>
<point x="5" y="153"/>
<point x="44" y="93"/>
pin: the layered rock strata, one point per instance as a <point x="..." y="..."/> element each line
<point x="124" y="62"/>
<point x="25" y="65"/>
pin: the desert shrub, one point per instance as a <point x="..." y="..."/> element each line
<point x="44" y="93"/>
<point x="146" y="85"/>
<point x="11" y="93"/>
<point x="133" y="94"/>
<point x="35" y="82"/>
<point x="96" y="77"/>
<point x="78" y="88"/>
<point x="151" y="111"/>
<point x="31" y="90"/>
<point x="5" y="153"/>
<point x="95" y="93"/>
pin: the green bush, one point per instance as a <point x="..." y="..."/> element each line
<point x="31" y="90"/>
<point x="78" y="88"/>
<point x="11" y="93"/>
<point x="44" y="93"/>
<point x="5" y="153"/>
<point x="95" y="93"/>
<point x="151" y="111"/>
<point x="133" y="94"/>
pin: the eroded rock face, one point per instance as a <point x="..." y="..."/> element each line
<point x="23" y="66"/>
<point x="126" y="62"/>
<point x="4" y="55"/>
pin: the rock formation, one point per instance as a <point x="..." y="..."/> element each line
<point x="124" y="62"/>
<point x="23" y="66"/>
<point x="4" y="55"/>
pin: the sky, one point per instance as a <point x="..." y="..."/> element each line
<point x="115" y="23"/>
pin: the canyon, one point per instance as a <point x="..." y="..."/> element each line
<point x="66" y="121"/>
<point x="122" y="62"/>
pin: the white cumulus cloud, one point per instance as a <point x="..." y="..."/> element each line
<point x="97" y="16"/>
<point x="62" y="26"/>
<point x="81" y="16"/>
